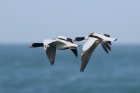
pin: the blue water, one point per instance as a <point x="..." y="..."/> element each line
<point x="25" y="70"/>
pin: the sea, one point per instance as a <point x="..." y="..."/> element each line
<point x="28" y="70"/>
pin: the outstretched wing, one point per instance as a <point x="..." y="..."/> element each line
<point x="50" y="48"/>
<point x="84" y="60"/>
<point x="75" y="52"/>
<point x="104" y="37"/>
<point x="51" y="51"/>
<point x="109" y="42"/>
<point x="88" y="48"/>
<point x="105" y="46"/>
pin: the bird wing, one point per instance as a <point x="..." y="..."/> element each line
<point x="105" y="46"/>
<point x="50" y="47"/>
<point x="51" y="51"/>
<point x="109" y="42"/>
<point x="75" y="52"/>
<point x="105" y="37"/>
<point x="88" y="48"/>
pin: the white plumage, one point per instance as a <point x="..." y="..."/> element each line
<point x="93" y="40"/>
<point x="60" y="43"/>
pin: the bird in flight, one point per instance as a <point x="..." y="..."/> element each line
<point x="93" y="40"/>
<point x="60" y="43"/>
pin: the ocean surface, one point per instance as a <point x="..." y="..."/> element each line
<point x="26" y="70"/>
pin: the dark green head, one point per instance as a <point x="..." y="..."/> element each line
<point x="34" y="45"/>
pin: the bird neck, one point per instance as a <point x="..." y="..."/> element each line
<point x="86" y="37"/>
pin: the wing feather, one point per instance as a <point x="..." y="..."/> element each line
<point x="109" y="42"/>
<point x="85" y="59"/>
<point x="51" y="51"/>
<point x="105" y="46"/>
<point x="75" y="52"/>
<point x="87" y="54"/>
<point x="107" y="35"/>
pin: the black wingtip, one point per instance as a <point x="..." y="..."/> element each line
<point x="107" y="35"/>
<point x="75" y="52"/>
<point x="81" y="70"/>
<point x="52" y="64"/>
<point x="109" y="42"/>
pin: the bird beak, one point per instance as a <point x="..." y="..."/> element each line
<point x="74" y="40"/>
<point x="30" y="46"/>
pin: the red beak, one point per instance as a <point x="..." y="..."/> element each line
<point x="74" y="40"/>
<point x="30" y="46"/>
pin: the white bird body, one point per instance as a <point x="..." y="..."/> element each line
<point x="93" y="40"/>
<point x="60" y="43"/>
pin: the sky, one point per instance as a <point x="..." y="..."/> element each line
<point x="26" y="21"/>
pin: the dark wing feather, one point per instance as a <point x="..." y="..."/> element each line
<point x="85" y="58"/>
<point x="106" y="35"/>
<point x="51" y="51"/>
<point x="75" y="52"/>
<point x="105" y="46"/>
<point x="108" y="42"/>
<point x="87" y="54"/>
<point x="70" y="40"/>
